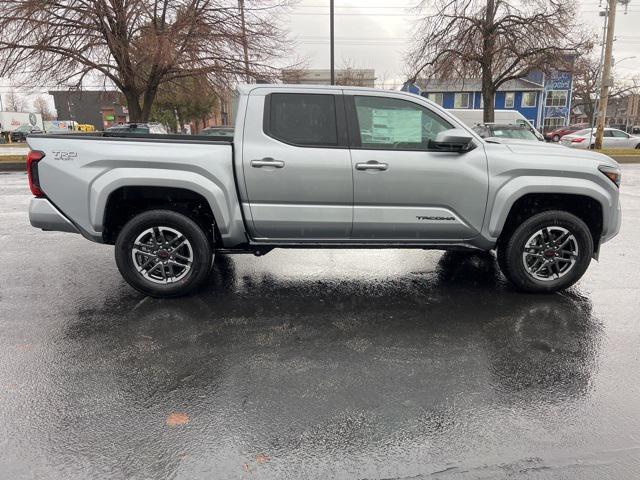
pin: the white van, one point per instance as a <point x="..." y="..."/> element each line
<point x="473" y="117"/>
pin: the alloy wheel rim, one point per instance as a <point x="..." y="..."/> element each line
<point x="162" y="255"/>
<point x="550" y="253"/>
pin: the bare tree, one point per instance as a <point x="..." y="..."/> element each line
<point x="42" y="107"/>
<point x="138" y="45"/>
<point x="14" y="102"/>
<point x="349" y="74"/>
<point x="586" y="85"/>
<point x="494" y="40"/>
<point x="384" y="81"/>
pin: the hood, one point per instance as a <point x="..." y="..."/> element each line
<point x="540" y="148"/>
<point x="519" y="141"/>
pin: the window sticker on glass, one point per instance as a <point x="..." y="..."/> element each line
<point x="389" y="123"/>
<point x="397" y="126"/>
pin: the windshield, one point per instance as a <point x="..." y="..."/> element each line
<point x="23" y="128"/>
<point x="506" y="132"/>
<point x="218" y="132"/>
<point x="128" y="130"/>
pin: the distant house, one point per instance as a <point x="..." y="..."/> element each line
<point x="98" y="108"/>
<point x="622" y="112"/>
<point x="544" y="100"/>
<point x="361" y="77"/>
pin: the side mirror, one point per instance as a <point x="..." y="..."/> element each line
<point x="454" y="140"/>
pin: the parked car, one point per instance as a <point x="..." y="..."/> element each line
<point x="505" y="133"/>
<point x="299" y="173"/>
<point x="472" y="117"/>
<point x="558" y="133"/>
<point x="218" y="131"/>
<point x="154" y="128"/>
<point x="20" y="133"/>
<point x="613" y="138"/>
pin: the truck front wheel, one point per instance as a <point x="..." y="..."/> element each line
<point x="548" y="252"/>
<point x="162" y="253"/>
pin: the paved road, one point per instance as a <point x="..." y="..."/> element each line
<point x="318" y="364"/>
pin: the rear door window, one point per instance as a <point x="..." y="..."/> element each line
<point x="619" y="134"/>
<point x="301" y="119"/>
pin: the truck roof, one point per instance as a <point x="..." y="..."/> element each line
<point x="245" y="89"/>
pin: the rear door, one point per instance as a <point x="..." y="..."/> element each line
<point x="608" y="140"/>
<point x="403" y="189"/>
<point x="621" y="139"/>
<point x="296" y="165"/>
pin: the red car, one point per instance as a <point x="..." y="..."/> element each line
<point x="558" y="133"/>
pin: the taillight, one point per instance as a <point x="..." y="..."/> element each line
<point x="577" y="140"/>
<point x="33" y="158"/>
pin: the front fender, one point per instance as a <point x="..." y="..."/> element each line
<point x="511" y="191"/>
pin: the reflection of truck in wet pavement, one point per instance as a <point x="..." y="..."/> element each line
<point x="307" y="168"/>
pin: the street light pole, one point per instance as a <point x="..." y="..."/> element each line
<point x="606" y="80"/>
<point x="245" y="46"/>
<point x="331" y="34"/>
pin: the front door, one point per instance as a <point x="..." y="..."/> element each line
<point x="297" y="166"/>
<point x="403" y="189"/>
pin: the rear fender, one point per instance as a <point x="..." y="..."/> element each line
<point x="106" y="184"/>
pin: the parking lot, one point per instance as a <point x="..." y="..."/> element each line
<point x="381" y="364"/>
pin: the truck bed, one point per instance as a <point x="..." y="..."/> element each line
<point x="80" y="172"/>
<point x="172" y="137"/>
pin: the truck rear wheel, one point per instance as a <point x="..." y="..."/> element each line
<point x="548" y="252"/>
<point x="162" y="253"/>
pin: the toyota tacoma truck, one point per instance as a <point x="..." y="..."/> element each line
<point x="325" y="167"/>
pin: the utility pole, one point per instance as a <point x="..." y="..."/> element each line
<point x="331" y="34"/>
<point x="245" y="46"/>
<point x="606" y="80"/>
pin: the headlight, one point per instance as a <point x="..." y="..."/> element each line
<point x="612" y="173"/>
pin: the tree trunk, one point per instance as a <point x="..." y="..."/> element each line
<point x="488" y="50"/>
<point x="133" y="104"/>
<point x="488" y="96"/>
<point x="149" y="98"/>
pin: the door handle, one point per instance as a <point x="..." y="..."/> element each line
<point x="372" y="165"/>
<point x="267" y="162"/>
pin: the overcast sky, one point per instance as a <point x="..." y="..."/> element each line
<point x="375" y="33"/>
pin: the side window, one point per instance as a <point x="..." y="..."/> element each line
<point x="391" y="123"/>
<point x="529" y="99"/>
<point x="608" y="133"/>
<point x="619" y="134"/>
<point x="437" y="98"/>
<point x="461" y="100"/>
<point x="557" y="98"/>
<point x="509" y="100"/>
<point x="302" y="119"/>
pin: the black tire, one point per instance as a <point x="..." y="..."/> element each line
<point x="638" y="146"/>
<point x="556" y="138"/>
<point x="511" y="250"/>
<point x="196" y="247"/>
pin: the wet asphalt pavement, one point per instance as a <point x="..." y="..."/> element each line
<point x="315" y="364"/>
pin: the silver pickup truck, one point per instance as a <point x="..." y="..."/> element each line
<point x="334" y="167"/>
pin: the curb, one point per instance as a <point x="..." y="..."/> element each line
<point x="13" y="167"/>
<point x="626" y="158"/>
